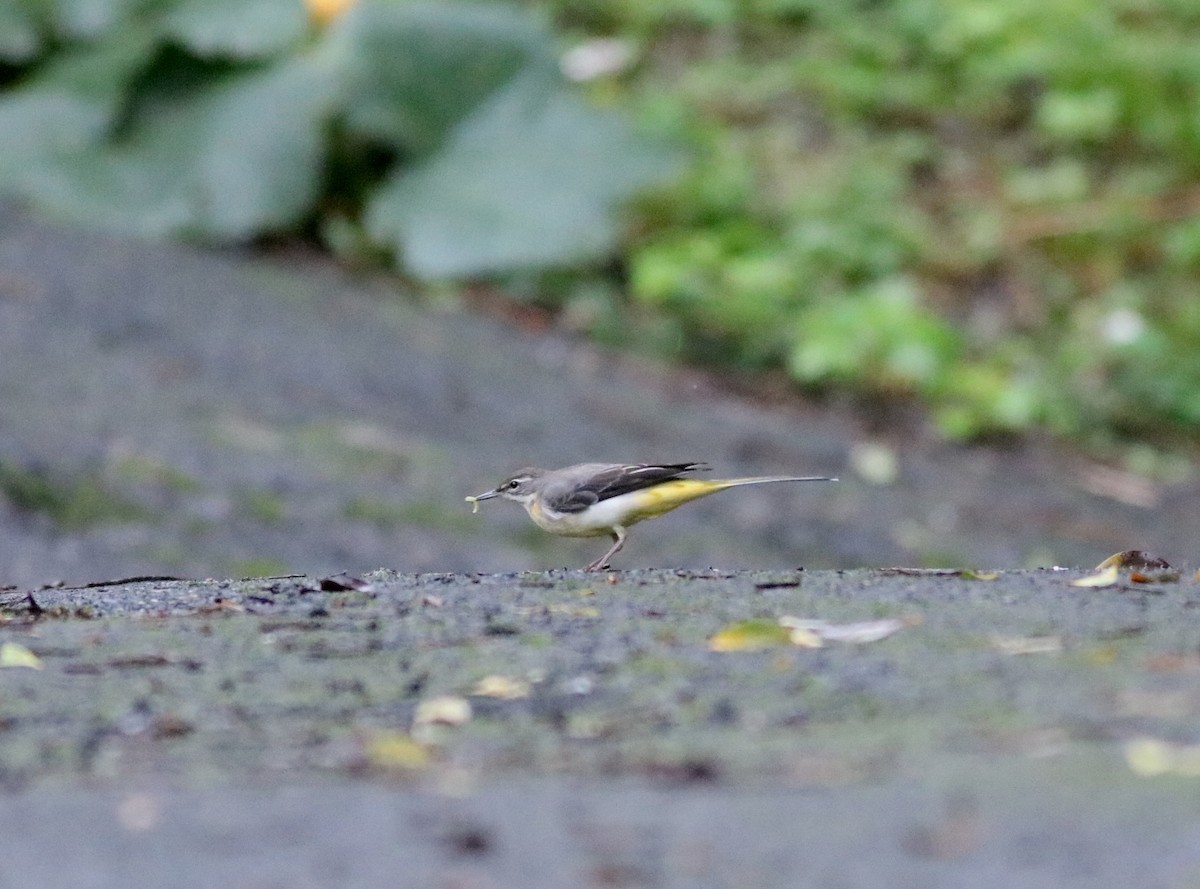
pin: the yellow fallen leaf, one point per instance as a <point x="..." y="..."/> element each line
<point x="396" y="750"/>
<point x="971" y="574"/>
<point x="1103" y="578"/>
<point x="1150" y="758"/>
<point x="501" y="687"/>
<point x="754" y="634"/>
<point x="14" y="655"/>
<point x="443" y="710"/>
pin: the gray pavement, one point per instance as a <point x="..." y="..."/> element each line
<point x="272" y="733"/>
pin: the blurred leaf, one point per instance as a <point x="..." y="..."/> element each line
<point x="20" y="33"/>
<point x="442" y="710"/>
<point x="396" y="751"/>
<point x="241" y="158"/>
<point x="237" y="28"/>
<point x="503" y="687"/>
<point x="1133" y="558"/>
<point x="13" y="654"/>
<point x="68" y="107"/>
<point x="414" y="71"/>
<point x="1151" y="757"/>
<point x="972" y="574"/>
<point x="92" y="18"/>
<point x="534" y="178"/>
<point x="754" y="634"/>
<point x="1020" y="645"/>
<point x="1104" y="578"/>
<point x="859" y="633"/>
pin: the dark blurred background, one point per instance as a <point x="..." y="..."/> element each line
<point x="280" y="283"/>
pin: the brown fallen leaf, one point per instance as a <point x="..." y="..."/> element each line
<point x="341" y="583"/>
<point x="1158" y="577"/>
<point x="1134" y="558"/>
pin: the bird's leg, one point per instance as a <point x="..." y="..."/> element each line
<point x="618" y="536"/>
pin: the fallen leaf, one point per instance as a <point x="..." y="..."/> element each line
<point x="340" y="583"/>
<point x="13" y="654"/>
<point x="396" y="750"/>
<point x="1014" y="645"/>
<point x="754" y="634"/>
<point x="1151" y="758"/>
<point x="858" y="633"/>
<point x="971" y="574"/>
<point x="443" y="710"/>
<point x="1104" y="578"/>
<point x="501" y="687"/>
<point x="803" y="637"/>
<point x="1133" y="558"/>
<point x="1159" y="577"/>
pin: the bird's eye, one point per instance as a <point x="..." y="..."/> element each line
<point x="512" y="485"/>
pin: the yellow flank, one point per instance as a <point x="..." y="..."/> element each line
<point x="663" y="498"/>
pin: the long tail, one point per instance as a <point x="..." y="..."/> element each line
<point x="764" y="479"/>
<point x="665" y="496"/>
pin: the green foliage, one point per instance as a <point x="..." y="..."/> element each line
<point x="71" y="503"/>
<point x="991" y="207"/>
<point x="443" y="132"/>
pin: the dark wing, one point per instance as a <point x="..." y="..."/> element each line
<point x="592" y="483"/>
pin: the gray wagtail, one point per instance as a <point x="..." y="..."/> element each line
<point x="595" y="499"/>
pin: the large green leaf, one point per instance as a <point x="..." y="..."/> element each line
<point x="533" y="179"/>
<point x="78" y="19"/>
<point x="413" y="71"/>
<point x="20" y="32"/>
<point x="68" y="108"/>
<point x="236" y="28"/>
<point x="239" y="159"/>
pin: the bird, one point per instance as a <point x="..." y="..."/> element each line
<point x="599" y="499"/>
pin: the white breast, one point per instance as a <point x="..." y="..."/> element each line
<point x="595" y="521"/>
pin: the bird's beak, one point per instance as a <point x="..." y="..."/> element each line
<point x="486" y="495"/>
